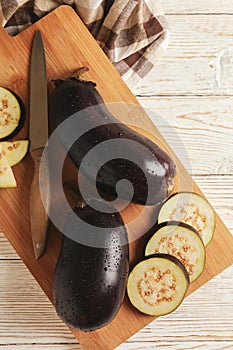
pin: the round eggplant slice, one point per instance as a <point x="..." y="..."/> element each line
<point x="9" y="112"/>
<point x="157" y="285"/>
<point x="192" y="209"/>
<point x="181" y="241"/>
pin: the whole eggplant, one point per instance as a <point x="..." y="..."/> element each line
<point x="90" y="281"/>
<point x="146" y="166"/>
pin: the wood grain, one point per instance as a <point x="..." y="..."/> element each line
<point x="198" y="59"/>
<point x="198" y="129"/>
<point x="178" y="345"/>
<point x="197" y="7"/>
<point x="219" y="191"/>
<point x="7" y="252"/>
<point x="38" y="346"/>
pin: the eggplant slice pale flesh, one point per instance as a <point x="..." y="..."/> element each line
<point x="192" y="209"/>
<point x="10" y="112"/>
<point x="181" y="241"/>
<point x="14" y="151"/>
<point x="7" y="178"/>
<point x="157" y="285"/>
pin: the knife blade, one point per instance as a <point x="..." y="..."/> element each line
<point x="38" y="134"/>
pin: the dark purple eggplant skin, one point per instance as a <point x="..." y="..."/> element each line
<point x="90" y="283"/>
<point x="154" y="170"/>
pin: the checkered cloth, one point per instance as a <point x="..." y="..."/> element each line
<point x="132" y="33"/>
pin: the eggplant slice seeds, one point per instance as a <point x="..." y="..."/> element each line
<point x="10" y="112"/>
<point x="157" y="285"/>
<point x="181" y="241"/>
<point x="192" y="209"/>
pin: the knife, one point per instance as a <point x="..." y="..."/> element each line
<point x="38" y="134"/>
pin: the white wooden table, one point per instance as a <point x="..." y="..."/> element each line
<point x="192" y="89"/>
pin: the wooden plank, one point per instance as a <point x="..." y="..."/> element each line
<point x="21" y="319"/>
<point x="198" y="60"/>
<point x="64" y="346"/>
<point x="27" y="316"/>
<point x="6" y="249"/>
<point x="198" y="6"/>
<point x="198" y="129"/>
<point x="206" y="345"/>
<point x="177" y="345"/>
<point x="219" y="191"/>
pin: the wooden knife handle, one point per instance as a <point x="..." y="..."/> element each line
<point x="38" y="214"/>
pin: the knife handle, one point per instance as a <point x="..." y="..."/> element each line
<point x="38" y="214"/>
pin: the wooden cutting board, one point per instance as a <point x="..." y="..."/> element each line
<point x="69" y="45"/>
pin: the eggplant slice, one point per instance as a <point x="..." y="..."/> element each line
<point x="10" y="112"/>
<point x="192" y="209"/>
<point x="157" y="285"/>
<point x="181" y="241"/>
<point x="7" y="179"/>
<point x="15" y="151"/>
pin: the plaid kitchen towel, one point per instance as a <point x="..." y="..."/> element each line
<point x="132" y="33"/>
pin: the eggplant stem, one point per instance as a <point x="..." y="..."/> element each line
<point x="75" y="75"/>
<point x="79" y="72"/>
